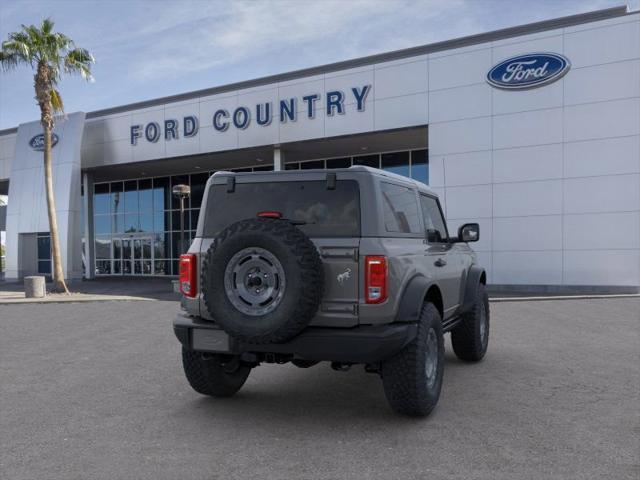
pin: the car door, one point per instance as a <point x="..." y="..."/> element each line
<point x="442" y="258"/>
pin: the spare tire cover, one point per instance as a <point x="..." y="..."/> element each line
<point x="262" y="280"/>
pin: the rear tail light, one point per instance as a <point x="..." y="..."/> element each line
<point x="375" y="279"/>
<point x="269" y="214"/>
<point x="188" y="272"/>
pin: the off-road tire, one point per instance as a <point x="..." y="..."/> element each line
<point x="469" y="339"/>
<point x="404" y="376"/>
<point x="214" y="375"/>
<point x="303" y="272"/>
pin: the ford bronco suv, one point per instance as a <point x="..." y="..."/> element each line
<point x="350" y="266"/>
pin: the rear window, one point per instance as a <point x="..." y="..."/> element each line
<point x="325" y="213"/>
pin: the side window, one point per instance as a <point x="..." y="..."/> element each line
<point x="433" y="221"/>
<point x="401" y="212"/>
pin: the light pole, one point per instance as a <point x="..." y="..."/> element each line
<point x="182" y="192"/>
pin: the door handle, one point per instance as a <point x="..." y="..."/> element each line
<point x="440" y="262"/>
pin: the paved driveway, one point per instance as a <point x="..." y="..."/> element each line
<point x="95" y="390"/>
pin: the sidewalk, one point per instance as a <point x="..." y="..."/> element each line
<point x="103" y="289"/>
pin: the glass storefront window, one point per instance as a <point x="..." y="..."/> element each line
<point x="101" y="198"/>
<point x="198" y="182"/>
<point x="339" y="162"/>
<point x="397" y="162"/>
<point x="312" y="165"/>
<point x="161" y="194"/>
<point x="117" y="198"/>
<point x="145" y="195"/>
<point x="420" y="165"/>
<point x="103" y="247"/>
<point x="146" y="222"/>
<point x="131" y="203"/>
<point x="367" y="161"/>
<point x="102" y="224"/>
<point x="131" y="223"/>
<point x="160" y="222"/>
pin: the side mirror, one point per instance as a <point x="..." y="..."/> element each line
<point x="469" y="232"/>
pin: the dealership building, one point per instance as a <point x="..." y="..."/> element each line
<point x="531" y="131"/>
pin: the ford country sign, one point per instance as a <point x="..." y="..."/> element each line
<point x="528" y="71"/>
<point x="37" y="142"/>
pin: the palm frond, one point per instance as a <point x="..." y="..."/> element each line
<point x="47" y="26"/>
<point x="56" y="101"/>
<point x="79" y="61"/>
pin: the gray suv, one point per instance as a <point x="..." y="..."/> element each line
<point x="350" y="266"/>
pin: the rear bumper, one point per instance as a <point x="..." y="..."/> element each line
<point x="362" y="344"/>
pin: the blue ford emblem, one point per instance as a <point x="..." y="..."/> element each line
<point x="528" y="71"/>
<point x="37" y="142"/>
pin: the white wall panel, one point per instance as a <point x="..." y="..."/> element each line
<point x="467" y="168"/>
<point x="472" y="201"/>
<point x="117" y="127"/>
<point x="117" y="152"/>
<point x="602" y="82"/>
<point x="182" y="146"/>
<point x="602" y="231"/>
<point x="602" y="267"/>
<point x="540" y="162"/>
<point x="7" y="146"/>
<point x="617" y="193"/>
<point x="345" y="82"/>
<point x="527" y="198"/>
<point x="401" y="112"/>
<point x="603" y="45"/>
<point x="212" y="140"/>
<point x="403" y="79"/>
<point x="351" y="122"/>
<point x="256" y="134"/>
<point x="301" y="89"/>
<point x="549" y="96"/>
<point x="456" y="70"/>
<point x="436" y="170"/>
<point x="601" y="120"/>
<point x="608" y="156"/>
<point x="527" y="268"/>
<point x="94" y="132"/>
<point x="527" y="233"/>
<point x="460" y="136"/>
<point x="459" y="103"/>
<point x="547" y="41"/>
<point x="302" y="129"/>
<point x="211" y="104"/>
<point x="528" y="128"/>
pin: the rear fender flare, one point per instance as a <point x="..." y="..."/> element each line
<point x="412" y="299"/>
<point x="474" y="278"/>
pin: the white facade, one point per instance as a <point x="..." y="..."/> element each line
<point x="552" y="174"/>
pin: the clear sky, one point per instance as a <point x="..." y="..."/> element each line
<point x="149" y="49"/>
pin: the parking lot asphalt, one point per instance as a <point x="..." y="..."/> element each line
<point x="96" y="391"/>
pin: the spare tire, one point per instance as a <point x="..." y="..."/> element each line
<point x="262" y="280"/>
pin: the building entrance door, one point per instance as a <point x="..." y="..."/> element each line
<point x="133" y="256"/>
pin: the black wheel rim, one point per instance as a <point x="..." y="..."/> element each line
<point x="431" y="358"/>
<point x="254" y="281"/>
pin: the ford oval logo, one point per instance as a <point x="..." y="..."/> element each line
<point x="528" y="71"/>
<point x="37" y="142"/>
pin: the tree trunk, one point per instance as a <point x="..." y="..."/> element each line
<point x="59" y="284"/>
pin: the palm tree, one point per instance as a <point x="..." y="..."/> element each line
<point x="50" y="55"/>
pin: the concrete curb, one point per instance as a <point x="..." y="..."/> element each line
<point x="73" y="299"/>
<point x="561" y="297"/>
